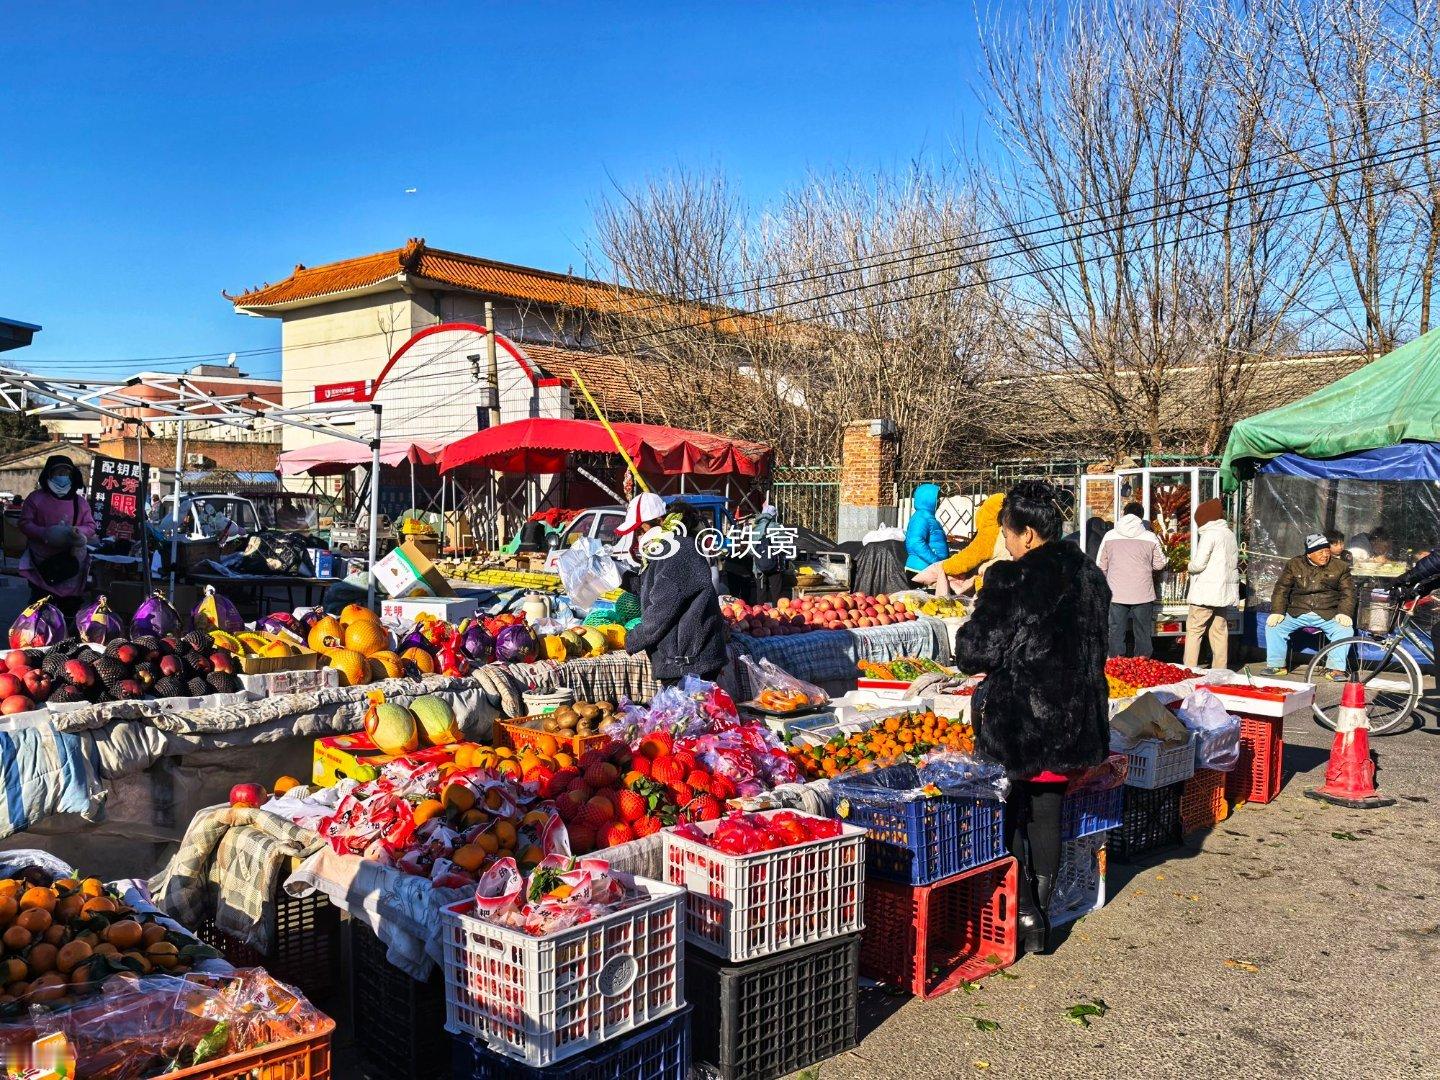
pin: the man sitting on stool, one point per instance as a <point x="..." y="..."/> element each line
<point x="1314" y="590"/>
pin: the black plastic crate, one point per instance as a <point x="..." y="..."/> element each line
<point x="306" y="953"/>
<point x="1151" y="822"/>
<point x="398" y="1022"/>
<point x="772" y="1016"/>
<point x="658" y="1051"/>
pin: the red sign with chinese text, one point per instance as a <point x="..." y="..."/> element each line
<point x="341" y="391"/>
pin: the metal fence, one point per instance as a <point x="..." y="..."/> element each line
<point x="808" y="495"/>
<point x="963" y="490"/>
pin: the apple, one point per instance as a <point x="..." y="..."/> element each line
<point x="15" y="658"/>
<point x="242" y="794"/>
<point x="16" y="703"/>
<point x="37" y="683"/>
<point x="10" y="685"/>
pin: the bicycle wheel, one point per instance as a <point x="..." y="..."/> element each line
<point x="1392" y="684"/>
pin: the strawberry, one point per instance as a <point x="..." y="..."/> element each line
<point x="706" y="808"/>
<point x="567" y="808"/>
<point x="722" y="787"/>
<point x="657" y="744"/>
<point x="667" y="770"/>
<point x="591" y="757"/>
<point x="687" y="759"/>
<point x="543" y="777"/>
<point x="563" y="778"/>
<point x="647" y="825"/>
<point x="698" y="779"/>
<point x="582" y="839"/>
<point x="640" y="764"/>
<point x="578" y="784"/>
<point x="682" y="794"/>
<point x="616" y="833"/>
<point x="630" y="806"/>
<point x="601" y="774"/>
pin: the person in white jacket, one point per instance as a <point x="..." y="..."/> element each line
<point x="1214" y="585"/>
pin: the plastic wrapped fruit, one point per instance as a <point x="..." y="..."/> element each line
<point x="155" y="617"/>
<point x="476" y="643"/>
<point x="39" y="625"/>
<point x="516" y="645"/>
<point x="216" y="612"/>
<point x="98" y="624"/>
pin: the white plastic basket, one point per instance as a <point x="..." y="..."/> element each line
<point x="1156" y="764"/>
<point x="1080" y="882"/>
<point x="539" y="1000"/>
<point x="740" y="907"/>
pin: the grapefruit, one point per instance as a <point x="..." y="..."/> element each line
<point x="366" y="636"/>
<point x="326" y="634"/>
<point x="357" y="613"/>
<point x="421" y="659"/>
<point x="354" y="669"/>
<point x="385" y="665"/>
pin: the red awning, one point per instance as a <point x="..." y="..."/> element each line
<point x="543" y="445"/>
<point x="340" y="456"/>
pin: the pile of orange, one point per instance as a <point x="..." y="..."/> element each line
<point x="61" y="940"/>
<point x="890" y="740"/>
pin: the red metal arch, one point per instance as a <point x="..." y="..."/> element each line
<point x="500" y="340"/>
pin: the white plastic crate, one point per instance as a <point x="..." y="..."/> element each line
<point x="740" y="907"/>
<point x="1156" y="764"/>
<point x="539" y="1000"/>
<point x="1080" y="882"/>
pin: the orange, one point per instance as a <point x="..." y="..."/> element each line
<point x="504" y="752"/>
<point x="139" y="958"/>
<point x="469" y="857"/>
<point x="64" y="885"/>
<point x="532" y="855"/>
<point x="72" y="955"/>
<point x="101" y="904"/>
<point x="37" y="897"/>
<point x="68" y="908"/>
<point x="546" y="745"/>
<point x="163" y="954"/>
<point x="106" y="949"/>
<point x="427" y="809"/>
<point x="504" y="833"/>
<point x="11" y="887"/>
<point x="493" y="799"/>
<point x="284" y="784"/>
<point x="472" y="817"/>
<point x="487" y="842"/>
<point x="12" y="970"/>
<point x="17" y="938"/>
<point x="354" y="669"/>
<point x="564" y="760"/>
<point x="153" y="932"/>
<point x="49" y="987"/>
<point x="41" y="959"/>
<point x="458" y="797"/>
<point x="8" y="909"/>
<point x="125" y="934"/>
<point x="366" y="636"/>
<point x="58" y="934"/>
<point x="536" y="818"/>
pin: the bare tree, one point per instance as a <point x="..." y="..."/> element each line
<point x="1155" y="252"/>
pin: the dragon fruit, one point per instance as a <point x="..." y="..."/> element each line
<point x="476" y="643"/>
<point x="216" y="612"/>
<point x="39" y="625"/>
<point x="516" y="645"/>
<point x="155" y="617"/>
<point x="98" y="624"/>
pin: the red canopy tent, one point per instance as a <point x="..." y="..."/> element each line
<point x="543" y="445"/>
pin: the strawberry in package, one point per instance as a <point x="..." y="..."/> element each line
<point x="559" y="893"/>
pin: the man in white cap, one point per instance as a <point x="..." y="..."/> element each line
<point x="644" y="513"/>
<point x="1314" y="590"/>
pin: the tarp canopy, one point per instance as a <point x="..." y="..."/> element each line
<point x="340" y="456"/>
<point x="543" y="445"/>
<point x="1404" y="461"/>
<point x="1387" y="402"/>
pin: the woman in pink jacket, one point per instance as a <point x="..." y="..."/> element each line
<point x="57" y="522"/>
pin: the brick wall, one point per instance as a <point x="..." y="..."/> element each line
<point x="230" y="456"/>
<point x="867" y="477"/>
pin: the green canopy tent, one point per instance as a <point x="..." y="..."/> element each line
<point x="1387" y="403"/>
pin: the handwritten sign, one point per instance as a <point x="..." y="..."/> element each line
<point x="119" y="491"/>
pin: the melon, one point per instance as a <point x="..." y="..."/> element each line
<point x="385" y="665"/>
<point x="594" y="640"/>
<point x="392" y="729"/>
<point x="421" y="659"/>
<point x="437" y="722"/>
<point x="354" y="669"/>
<point x="366" y="636"/>
<point x="325" y="635"/>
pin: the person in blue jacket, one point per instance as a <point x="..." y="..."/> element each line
<point x="925" y="540"/>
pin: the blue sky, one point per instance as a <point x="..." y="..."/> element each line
<point x="156" y="154"/>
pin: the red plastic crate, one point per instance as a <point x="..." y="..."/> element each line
<point x="305" y="1057"/>
<point x="1257" y="774"/>
<point x="928" y="939"/>
<point x="1202" y="803"/>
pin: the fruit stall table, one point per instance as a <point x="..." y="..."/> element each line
<point x="113" y="786"/>
<point x="255" y="587"/>
<point x="829" y="658"/>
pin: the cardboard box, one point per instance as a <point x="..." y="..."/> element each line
<point x="305" y="660"/>
<point x="324" y="561"/>
<point x="291" y="682"/>
<point x="407" y="571"/>
<point x="429" y="546"/>
<point x="450" y="608"/>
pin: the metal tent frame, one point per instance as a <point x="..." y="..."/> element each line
<point x="188" y="403"/>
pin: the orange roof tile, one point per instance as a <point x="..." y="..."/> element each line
<point x="624" y="387"/>
<point x="452" y="269"/>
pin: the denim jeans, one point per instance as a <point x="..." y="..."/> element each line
<point x="1277" y="639"/>
<point x="1140" y="618"/>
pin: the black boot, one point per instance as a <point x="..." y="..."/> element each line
<point x="1034" y="922"/>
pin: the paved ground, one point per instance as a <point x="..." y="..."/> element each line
<point x="1267" y="947"/>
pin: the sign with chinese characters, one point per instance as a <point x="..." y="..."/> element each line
<point x="342" y="391"/>
<point x="118" y="494"/>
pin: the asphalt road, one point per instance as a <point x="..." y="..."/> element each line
<point x="1269" y="946"/>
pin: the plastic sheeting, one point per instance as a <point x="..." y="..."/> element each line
<point x="1405" y="461"/>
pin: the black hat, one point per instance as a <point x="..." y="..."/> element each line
<point x="54" y="463"/>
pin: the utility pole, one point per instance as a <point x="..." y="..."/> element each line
<point x="492" y="371"/>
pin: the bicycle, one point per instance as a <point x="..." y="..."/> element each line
<point x="1390" y="675"/>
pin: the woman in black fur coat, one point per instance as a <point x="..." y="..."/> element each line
<point x="1039" y="632"/>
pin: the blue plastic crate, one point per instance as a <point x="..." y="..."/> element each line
<point x="1085" y="813"/>
<point x="660" y="1051"/>
<point x="920" y="841"/>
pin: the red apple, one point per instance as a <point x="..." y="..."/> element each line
<point x="15" y="658"/>
<point x="16" y="703"/>
<point x="242" y="794"/>
<point x="37" y="683"/>
<point x="10" y="685"/>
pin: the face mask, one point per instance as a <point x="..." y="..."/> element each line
<point x="59" y="486"/>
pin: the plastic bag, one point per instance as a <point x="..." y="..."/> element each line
<point x="769" y="680"/>
<point x="587" y="571"/>
<point x="1145" y="718"/>
<point x="1110" y="773"/>
<point x="1218" y="747"/>
<point x="945" y="773"/>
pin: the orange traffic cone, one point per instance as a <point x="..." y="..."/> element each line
<point x="1350" y="775"/>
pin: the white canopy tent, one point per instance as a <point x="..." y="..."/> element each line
<point x="185" y="402"/>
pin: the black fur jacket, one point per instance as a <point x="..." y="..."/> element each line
<point x="1039" y="632"/>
